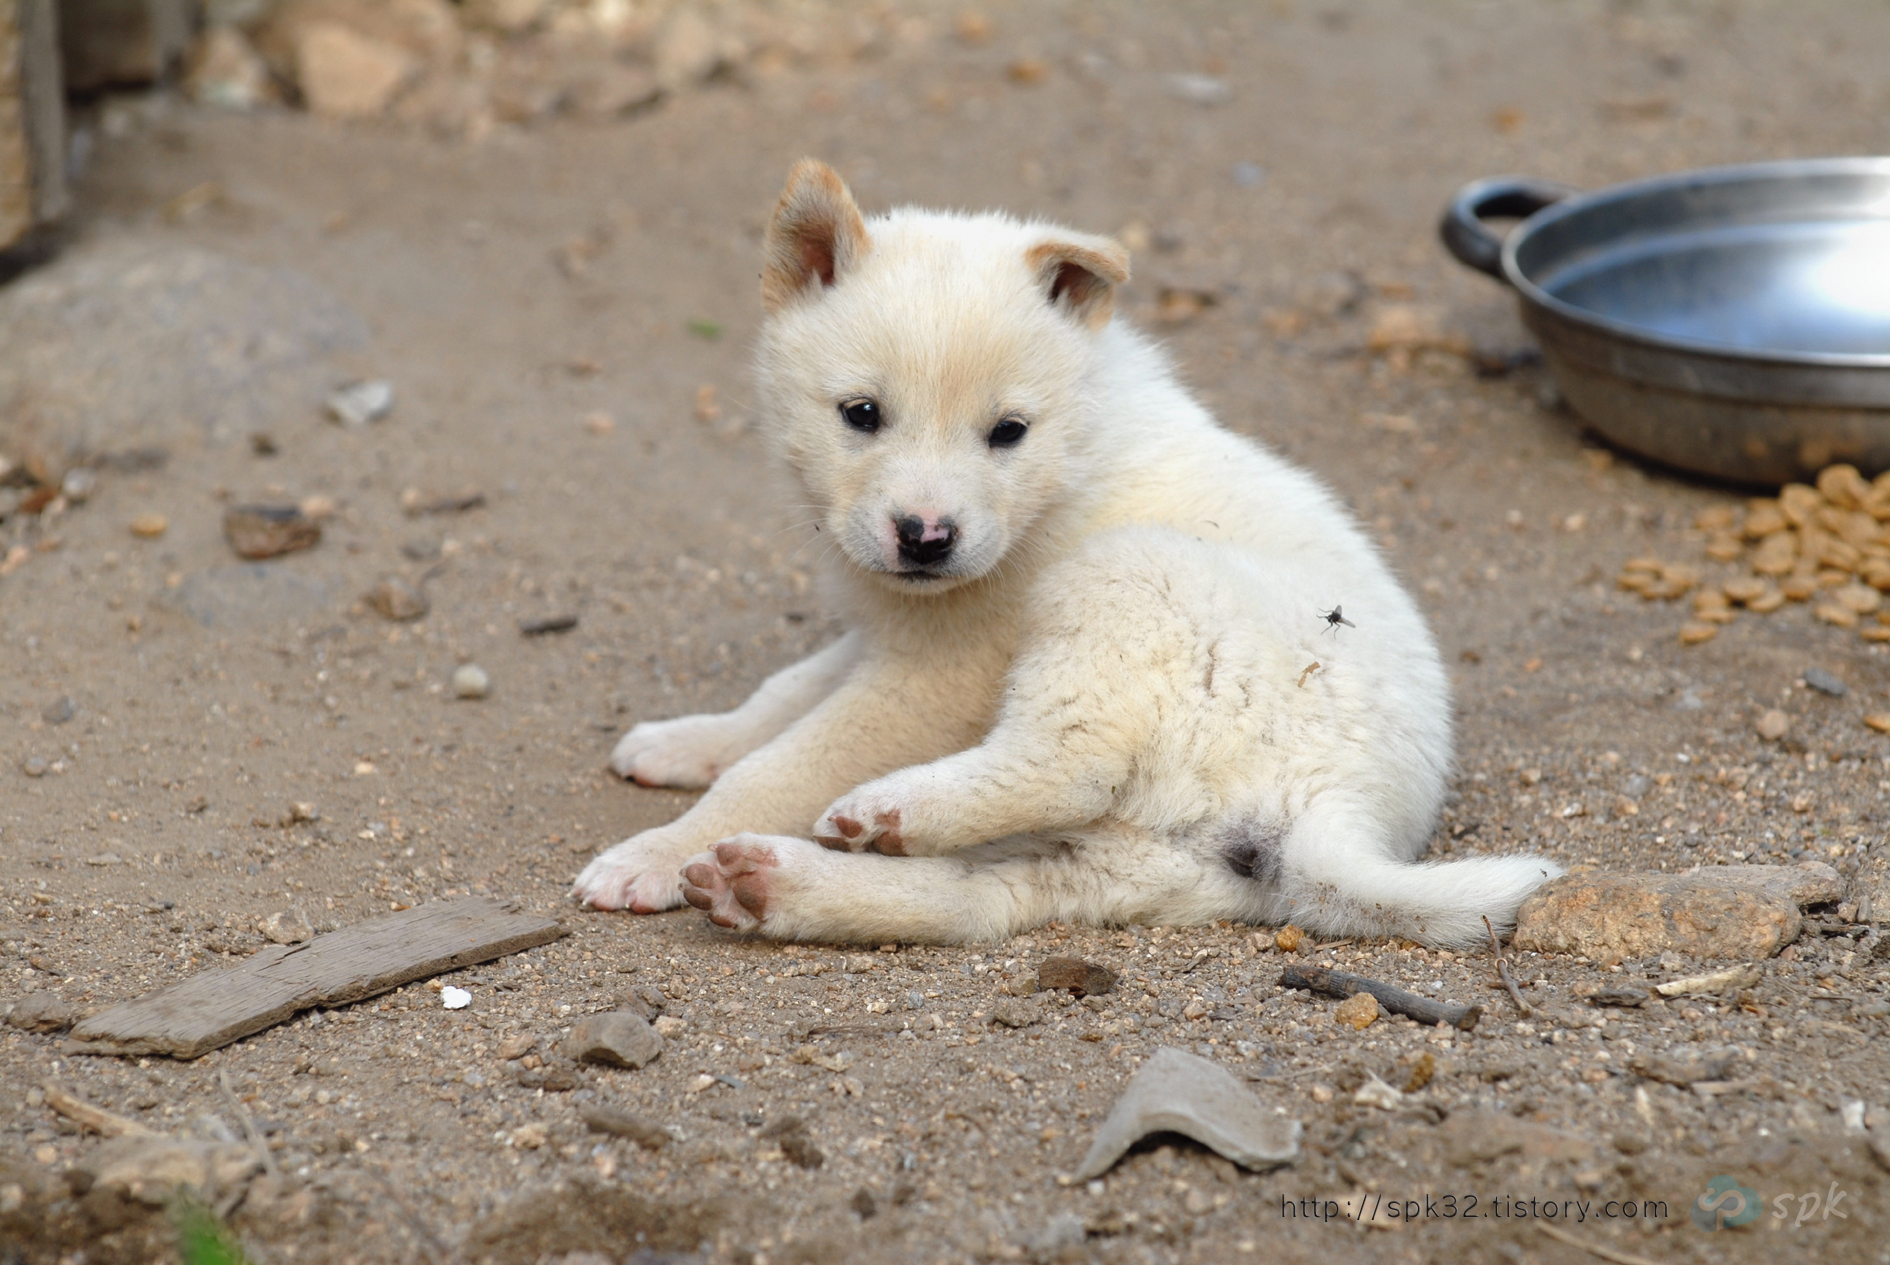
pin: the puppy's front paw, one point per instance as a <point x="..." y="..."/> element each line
<point x="735" y="881"/>
<point x="640" y="875"/>
<point x="861" y="820"/>
<point x="687" y="753"/>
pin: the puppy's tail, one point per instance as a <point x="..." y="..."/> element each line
<point x="1348" y="887"/>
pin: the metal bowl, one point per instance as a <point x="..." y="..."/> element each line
<point x="1733" y="321"/>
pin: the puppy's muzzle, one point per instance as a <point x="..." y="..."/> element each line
<point x="925" y="542"/>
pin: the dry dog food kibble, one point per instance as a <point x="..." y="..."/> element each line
<point x="1827" y="545"/>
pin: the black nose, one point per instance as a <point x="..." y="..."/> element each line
<point x="922" y="543"/>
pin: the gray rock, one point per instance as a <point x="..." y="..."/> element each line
<point x="287" y="927"/>
<point x="1178" y="1092"/>
<point x="1013" y="1013"/>
<point x="59" y="711"/>
<point x="1824" y="682"/>
<point x="41" y="1012"/>
<point x="134" y="343"/>
<point x="1710" y="1066"/>
<point x="616" y="1038"/>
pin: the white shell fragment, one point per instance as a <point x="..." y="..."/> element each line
<point x="470" y="681"/>
<point x="359" y="403"/>
<point x="1178" y="1092"/>
<point x="455" y="998"/>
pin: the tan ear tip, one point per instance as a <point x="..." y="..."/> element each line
<point x="815" y="172"/>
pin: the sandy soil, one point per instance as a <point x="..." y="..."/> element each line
<point x="514" y="288"/>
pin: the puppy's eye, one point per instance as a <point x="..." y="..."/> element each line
<point x="861" y="415"/>
<point x="1007" y="433"/>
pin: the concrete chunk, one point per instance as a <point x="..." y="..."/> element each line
<point x="1177" y="1092"/>
<point x="1740" y="912"/>
<point x="616" y="1038"/>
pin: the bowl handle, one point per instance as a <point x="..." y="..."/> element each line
<point x="1463" y="230"/>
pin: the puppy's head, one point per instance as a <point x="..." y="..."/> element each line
<point x="923" y="375"/>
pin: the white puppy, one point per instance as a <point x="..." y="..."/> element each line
<point x="1090" y="673"/>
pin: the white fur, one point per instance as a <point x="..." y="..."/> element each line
<point x="1099" y="708"/>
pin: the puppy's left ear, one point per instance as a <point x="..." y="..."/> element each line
<point x="1080" y="274"/>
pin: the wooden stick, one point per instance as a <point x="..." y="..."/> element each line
<point x="1333" y="983"/>
<point x="1595" y="1249"/>
<point x="1502" y="971"/>
<point x="102" y="1122"/>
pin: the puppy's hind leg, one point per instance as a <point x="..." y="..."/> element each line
<point x="691" y="751"/>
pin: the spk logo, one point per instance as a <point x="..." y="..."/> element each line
<point x="1725" y="1204"/>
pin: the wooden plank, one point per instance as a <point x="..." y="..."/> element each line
<point x="213" y="1008"/>
<point x="32" y="119"/>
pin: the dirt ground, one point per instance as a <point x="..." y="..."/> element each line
<point x="550" y="304"/>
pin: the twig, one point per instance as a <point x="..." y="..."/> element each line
<point x="104" y="1123"/>
<point x="256" y="1139"/>
<point x="1502" y="971"/>
<point x="1320" y="979"/>
<point x="1595" y="1249"/>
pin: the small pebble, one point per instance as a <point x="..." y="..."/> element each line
<point x="362" y="402"/>
<point x="614" y="1038"/>
<point x="268" y="531"/>
<point x="470" y="681"/>
<point x="393" y="598"/>
<point x="58" y="712"/>
<point x="455" y="998"/>
<point x="1081" y="978"/>
<point x="549" y="624"/>
<point x="1358" y="1012"/>
<point x="1694" y="632"/>
<point x="149" y="526"/>
<point x="1880" y="721"/>
<point x="78" y="486"/>
<point x="1015" y="1013"/>
<point x="1773" y="724"/>
<point x="1288" y="939"/>
<point x="34" y="766"/>
<point x="1200" y="89"/>
<point x="1825" y="682"/>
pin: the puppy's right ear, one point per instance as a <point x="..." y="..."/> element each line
<point x="816" y="235"/>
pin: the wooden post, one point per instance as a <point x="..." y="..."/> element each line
<point x="32" y="119"/>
